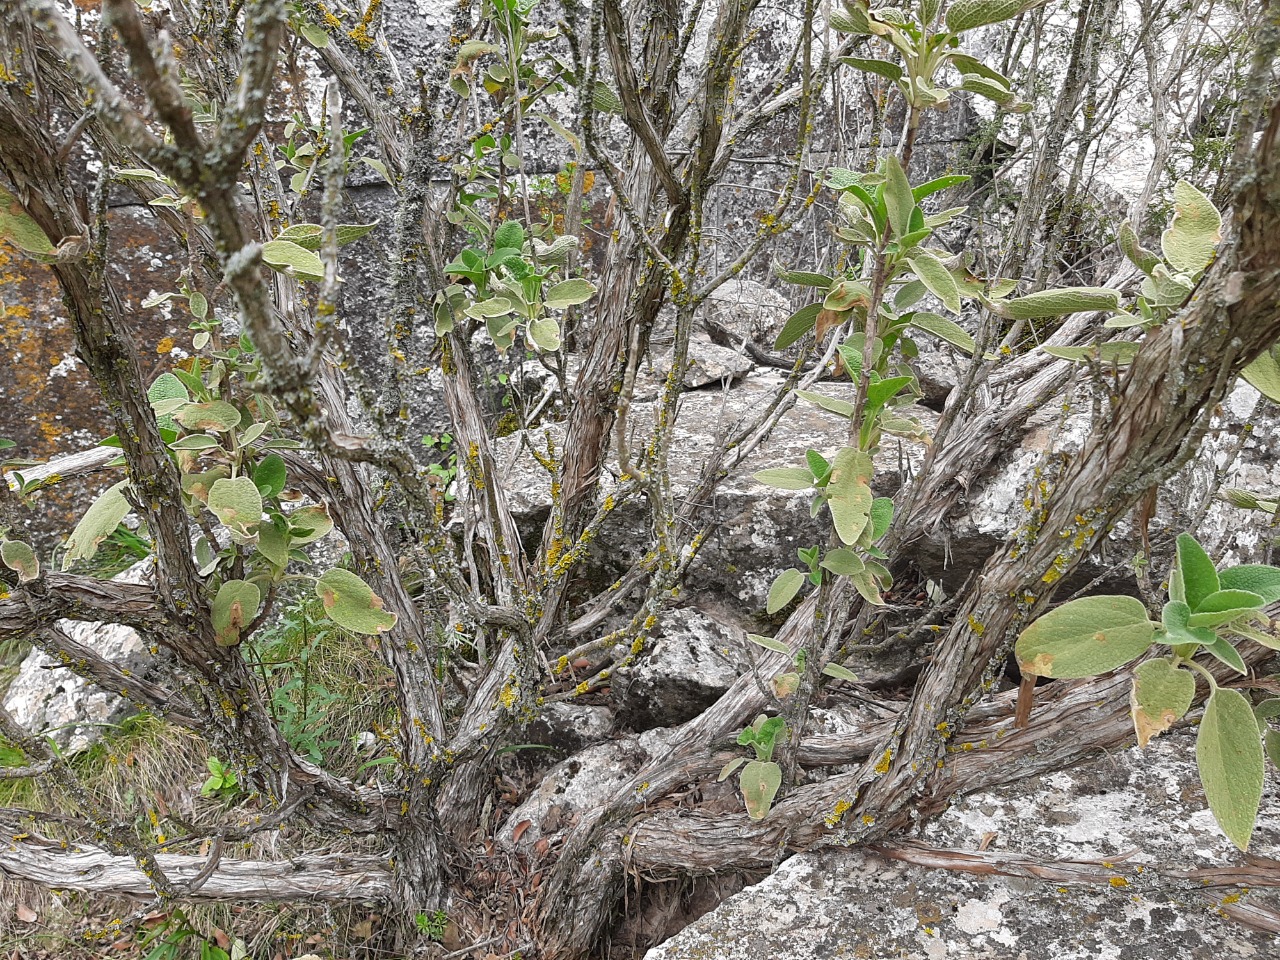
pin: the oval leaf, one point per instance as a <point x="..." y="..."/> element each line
<point x="98" y="523"/>
<point x="1161" y="696"/>
<point x="309" y="524"/>
<point x="218" y="416"/>
<point x="1198" y="576"/>
<point x="784" y="589"/>
<point x="937" y="278"/>
<point x="1254" y="577"/>
<point x="1056" y="303"/>
<point x="1224" y="606"/>
<point x="1085" y="637"/>
<point x="234" y="606"/>
<point x="797" y="325"/>
<point x="777" y="646"/>
<point x="785" y="478"/>
<point x="1194" y="233"/>
<point x="351" y="604"/>
<point x="1229" y="755"/>
<point x="295" y="260"/>
<point x="569" y="292"/>
<point x="760" y="781"/>
<point x="19" y="557"/>
<point x="238" y="504"/>
<point x="944" y="329"/>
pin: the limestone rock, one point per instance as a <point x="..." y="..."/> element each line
<point x="694" y="660"/>
<point x="1135" y="808"/>
<point x="47" y="698"/>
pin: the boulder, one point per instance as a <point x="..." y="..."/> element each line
<point x="1136" y="818"/>
<point x="693" y="661"/>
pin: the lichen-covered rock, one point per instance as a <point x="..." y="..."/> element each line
<point x="1134" y="810"/>
<point x="692" y="662"/>
<point x="757" y="528"/>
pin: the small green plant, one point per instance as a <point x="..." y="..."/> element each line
<point x="432" y="925"/>
<point x="222" y="783"/>
<point x="175" y="936"/>
<point x="761" y="777"/>
<point x="445" y="470"/>
<point x="1206" y="607"/>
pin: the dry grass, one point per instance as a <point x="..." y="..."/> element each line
<point x="144" y="770"/>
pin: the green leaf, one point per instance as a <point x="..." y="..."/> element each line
<point x="880" y="392"/>
<point x="1199" y="578"/>
<point x="1272" y="740"/>
<point x="1161" y="696"/>
<point x="909" y="295"/>
<point x="167" y="387"/>
<point x="846" y="295"/>
<point x="1224" y="606"/>
<point x="867" y="587"/>
<point x="310" y="236"/>
<point x="19" y="229"/>
<point x="238" y="504"/>
<point x="1056" y="303"/>
<point x="728" y="769"/>
<point x="883" y="68"/>
<point x="996" y="92"/>
<point x="841" y="407"/>
<point x="965" y="15"/>
<point x="1222" y="648"/>
<point x="934" y="186"/>
<point x="604" y="99"/>
<point x="1254" y="577"/>
<point x="313" y="34"/>
<point x="295" y="260"/>
<point x="944" y="329"/>
<point x="233" y="608"/>
<point x="545" y="334"/>
<point x="802" y="277"/>
<point x="569" y="292"/>
<point x="1118" y="352"/>
<point x="1195" y="231"/>
<point x="1142" y="258"/>
<point x="273" y="543"/>
<point x="850" y="469"/>
<point x="817" y="464"/>
<point x="850" y="512"/>
<point x="1085" y="637"/>
<point x="797" y="325"/>
<point x="843" y="562"/>
<point x="510" y="233"/>
<point x="98" y="523"/>
<point x="760" y="782"/>
<point x="1229" y="755"/>
<point x="18" y="556"/>
<point x="493" y="307"/>
<point x="309" y="524"/>
<point x="777" y="646"/>
<point x="881" y="516"/>
<point x="218" y="416"/>
<point x="784" y="589"/>
<point x="197" y="441"/>
<point x="785" y="478"/>
<point x="1263" y="374"/>
<point x="839" y="672"/>
<point x="350" y="603"/>
<point x="1176" y="620"/>
<point x="898" y="199"/>
<point x="937" y="278"/>
<point x="269" y="476"/>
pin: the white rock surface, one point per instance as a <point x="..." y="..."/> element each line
<point x="1129" y="810"/>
